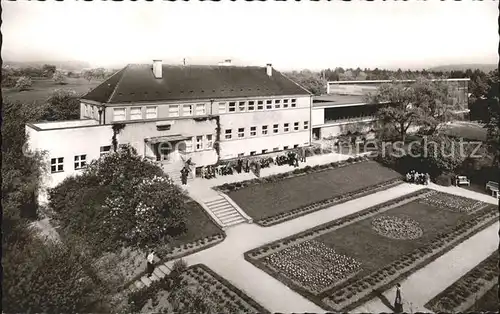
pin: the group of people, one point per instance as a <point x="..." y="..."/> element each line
<point x="418" y="178"/>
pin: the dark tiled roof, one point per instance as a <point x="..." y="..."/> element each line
<point x="136" y="83"/>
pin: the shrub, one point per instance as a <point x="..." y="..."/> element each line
<point x="23" y="83"/>
<point x="444" y="179"/>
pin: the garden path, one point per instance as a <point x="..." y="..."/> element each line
<point x="423" y="285"/>
<point x="426" y="283"/>
<point x="227" y="258"/>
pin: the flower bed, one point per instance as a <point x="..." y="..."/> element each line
<point x="464" y="292"/>
<point x="403" y="259"/>
<point x="453" y="203"/>
<point x="307" y="209"/>
<point x="344" y="300"/>
<point x="313" y="265"/>
<point x="172" y="294"/>
<point x="401" y="228"/>
<point x="231" y="187"/>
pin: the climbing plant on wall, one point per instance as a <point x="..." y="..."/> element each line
<point x="117" y="127"/>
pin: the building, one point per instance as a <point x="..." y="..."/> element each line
<point x="170" y="114"/>
<point x="345" y="107"/>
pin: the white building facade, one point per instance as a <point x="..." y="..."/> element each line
<point x="173" y="113"/>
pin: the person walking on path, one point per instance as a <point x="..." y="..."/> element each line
<point x="398" y="303"/>
<point x="184" y="175"/>
<point x="150" y="266"/>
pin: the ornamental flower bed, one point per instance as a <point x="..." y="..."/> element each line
<point x="344" y="300"/>
<point x="453" y="203"/>
<point x="313" y="265"/>
<point x="464" y="292"/>
<point x="401" y="228"/>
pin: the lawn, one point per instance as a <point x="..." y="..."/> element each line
<point x="269" y="199"/>
<point x="42" y="88"/>
<point x="338" y="264"/>
<point x="469" y="131"/>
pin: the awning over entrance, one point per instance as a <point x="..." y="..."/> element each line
<point x="166" y="138"/>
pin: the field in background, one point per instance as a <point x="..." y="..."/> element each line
<point x="42" y="88"/>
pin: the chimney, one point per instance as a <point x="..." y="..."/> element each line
<point x="157" y="67"/>
<point x="269" y="69"/>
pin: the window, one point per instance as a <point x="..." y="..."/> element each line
<point x="253" y="130"/>
<point x="241" y="154"/>
<point x="269" y="104"/>
<point x="232" y="106"/>
<point x="199" y="142"/>
<point x="135" y="113"/>
<point x="285" y="147"/>
<point x="264" y="151"/>
<point x="210" y="141"/>
<point x="241" y="106"/>
<point x="200" y="109"/>
<point x="56" y="164"/>
<point x="306" y="125"/>
<point x="85" y="110"/>
<point x="260" y="105"/>
<point x="80" y="161"/>
<point x="229" y="134"/>
<point x="187" y="110"/>
<point x="251" y="105"/>
<point x="277" y="103"/>
<point x="241" y="132"/>
<point x="105" y="149"/>
<point x="276" y="149"/>
<point x="296" y="126"/>
<point x="296" y="146"/>
<point x="165" y="127"/>
<point x="276" y="128"/>
<point x="264" y="129"/>
<point x="173" y="110"/>
<point x="118" y="114"/>
<point x="91" y="111"/>
<point x="285" y="103"/>
<point x="222" y="107"/>
<point x="286" y="127"/>
<point x="189" y="145"/>
<point x="253" y="153"/>
<point x="151" y="112"/>
<point x="294" y="103"/>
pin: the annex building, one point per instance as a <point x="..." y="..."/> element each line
<point x="170" y="114"/>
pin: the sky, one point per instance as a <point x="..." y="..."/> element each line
<point x="290" y="35"/>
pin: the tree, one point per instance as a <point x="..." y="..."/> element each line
<point x="88" y="75"/>
<point x="493" y="122"/>
<point x="48" y="70"/>
<point x="62" y="104"/>
<point x="399" y="113"/>
<point x="311" y="81"/>
<point x="120" y="200"/>
<point x="23" y="83"/>
<point x="59" y="78"/>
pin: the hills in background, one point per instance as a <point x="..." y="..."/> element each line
<point x="462" y="67"/>
<point x="75" y="65"/>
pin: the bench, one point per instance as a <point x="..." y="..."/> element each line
<point x="492" y="187"/>
<point x="462" y="180"/>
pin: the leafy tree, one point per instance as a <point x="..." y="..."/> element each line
<point x="493" y="122"/>
<point x="45" y="277"/>
<point x="48" y="70"/>
<point x="62" y="104"/>
<point x="311" y="81"/>
<point x="121" y="199"/>
<point x="23" y="83"/>
<point x="59" y="78"/>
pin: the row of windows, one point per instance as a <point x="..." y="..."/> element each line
<point x="253" y="105"/>
<point x="120" y="114"/>
<point x="264" y="130"/>
<point x="57" y="164"/>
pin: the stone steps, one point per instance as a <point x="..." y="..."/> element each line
<point x="159" y="272"/>
<point x="224" y="211"/>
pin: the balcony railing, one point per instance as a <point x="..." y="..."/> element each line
<point x="351" y="119"/>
